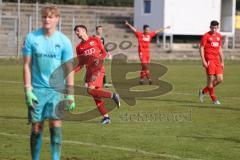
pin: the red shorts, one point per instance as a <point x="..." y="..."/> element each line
<point x="96" y="79"/>
<point x="214" y="68"/>
<point x="144" y="57"/>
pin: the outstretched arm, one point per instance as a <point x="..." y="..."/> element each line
<point x="130" y="26"/>
<point x="162" y="29"/>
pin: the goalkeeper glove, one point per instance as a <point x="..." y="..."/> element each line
<point x="30" y="98"/>
<point x="70" y="102"/>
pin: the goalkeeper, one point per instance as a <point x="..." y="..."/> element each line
<point x="45" y="50"/>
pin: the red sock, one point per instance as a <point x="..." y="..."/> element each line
<point x="99" y="93"/>
<point x="100" y="106"/>
<point x="212" y="94"/>
<point x="142" y="74"/>
<point x="205" y="90"/>
<point x="147" y="74"/>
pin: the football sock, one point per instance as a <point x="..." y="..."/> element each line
<point x="142" y="74"/>
<point x="35" y="144"/>
<point x="212" y="94"/>
<point x="56" y="142"/>
<point x="100" y="106"/>
<point x="147" y="74"/>
<point x="205" y="90"/>
<point x="99" y="93"/>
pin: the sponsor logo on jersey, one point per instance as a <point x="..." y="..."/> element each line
<point x="89" y="51"/>
<point x="215" y="44"/>
<point x="91" y="43"/>
<point x="57" y="46"/>
<point x="40" y="55"/>
<point x="146" y="38"/>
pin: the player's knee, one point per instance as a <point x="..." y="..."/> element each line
<point x="220" y="80"/>
<point x="100" y="103"/>
<point x="90" y="90"/>
<point x="37" y="127"/>
<point x="55" y="123"/>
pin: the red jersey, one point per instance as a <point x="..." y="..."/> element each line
<point x="211" y="44"/>
<point x="91" y="54"/>
<point x="144" y="41"/>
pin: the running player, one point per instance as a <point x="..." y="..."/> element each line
<point x="91" y="53"/>
<point x="212" y="60"/>
<point x="44" y="51"/>
<point x="99" y="34"/>
<point x="144" y="40"/>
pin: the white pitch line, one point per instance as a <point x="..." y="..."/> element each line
<point x="196" y="94"/>
<point x="178" y="93"/>
<point x="13" y="82"/>
<point x="106" y="146"/>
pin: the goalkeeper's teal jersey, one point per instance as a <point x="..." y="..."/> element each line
<point x="47" y="53"/>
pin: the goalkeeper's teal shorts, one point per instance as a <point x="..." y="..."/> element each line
<point x="48" y="100"/>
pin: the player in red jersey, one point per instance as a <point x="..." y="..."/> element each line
<point x="144" y="40"/>
<point x="212" y="60"/>
<point x="91" y="52"/>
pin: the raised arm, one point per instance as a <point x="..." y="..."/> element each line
<point x="162" y="29"/>
<point x="130" y="26"/>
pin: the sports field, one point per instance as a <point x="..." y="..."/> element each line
<point x="166" y="127"/>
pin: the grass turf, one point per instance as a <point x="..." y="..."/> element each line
<point x="172" y="126"/>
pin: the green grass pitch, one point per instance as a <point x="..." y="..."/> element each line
<point x="182" y="128"/>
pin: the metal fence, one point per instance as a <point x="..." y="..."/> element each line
<point x="13" y="29"/>
<point x="8" y="36"/>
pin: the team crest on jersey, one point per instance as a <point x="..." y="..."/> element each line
<point x="57" y="46"/>
<point x="91" y="43"/>
<point x="218" y="39"/>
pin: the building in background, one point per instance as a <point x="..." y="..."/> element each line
<point x="186" y="17"/>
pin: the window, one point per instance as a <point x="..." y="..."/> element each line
<point x="147" y="6"/>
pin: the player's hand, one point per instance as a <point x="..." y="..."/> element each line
<point x="204" y="63"/>
<point x="30" y="98"/>
<point x="222" y="64"/>
<point x="126" y="23"/>
<point x="70" y="103"/>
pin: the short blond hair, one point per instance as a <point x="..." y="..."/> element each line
<point x="50" y="9"/>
